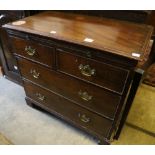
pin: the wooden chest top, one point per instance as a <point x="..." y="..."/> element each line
<point x="122" y="38"/>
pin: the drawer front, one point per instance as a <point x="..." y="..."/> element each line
<point x="108" y="76"/>
<point x="32" y="50"/>
<point x="84" y="94"/>
<point x="69" y="110"/>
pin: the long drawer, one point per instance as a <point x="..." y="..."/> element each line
<point x="102" y="74"/>
<point x="69" y="110"/>
<point x="84" y="94"/>
<point x="33" y="50"/>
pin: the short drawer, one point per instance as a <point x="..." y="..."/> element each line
<point x="104" y="75"/>
<point x="66" y="109"/>
<point x="33" y="50"/>
<point x="87" y="95"/>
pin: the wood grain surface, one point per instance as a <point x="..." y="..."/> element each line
<point x="118" y="37"/>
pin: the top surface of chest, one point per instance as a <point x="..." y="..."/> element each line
<point x="122" y="38"/>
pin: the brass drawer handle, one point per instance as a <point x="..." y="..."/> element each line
<point x="86" y="70"/>
<point x="85" y="96"/>
<point x="84" y="118"/>
<point x="40" y="96"/>
<point x="34" y="73"/>
<point x="30" y="51"/>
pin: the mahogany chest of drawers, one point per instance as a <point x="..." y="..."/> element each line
<point x="80" y="68"/>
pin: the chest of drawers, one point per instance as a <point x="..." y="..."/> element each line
<point x="80" y="68"/>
